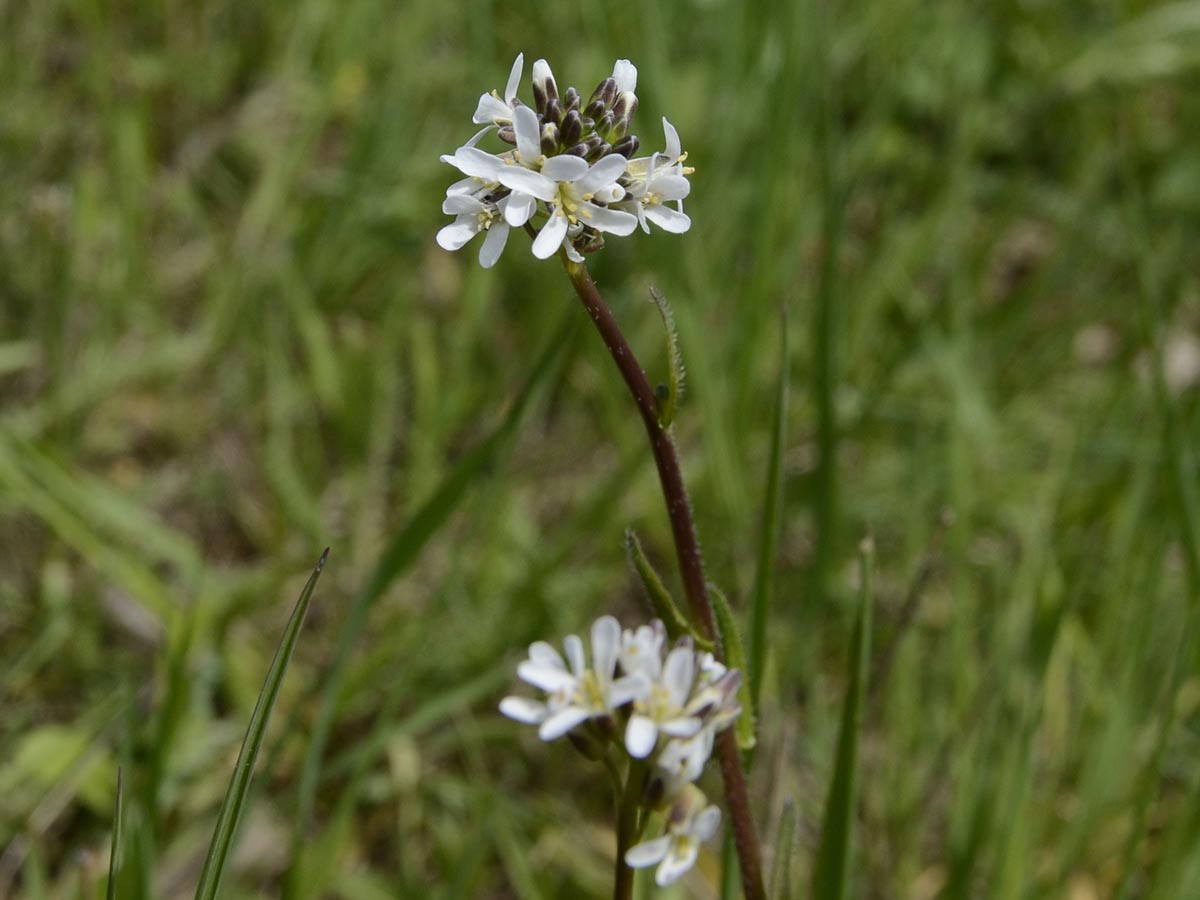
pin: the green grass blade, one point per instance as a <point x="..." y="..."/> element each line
<point x="781" y="870"/>
<point x="239" y="785"/>
<point x="114" y="851"/>
<point x="833" y="860"/>
<point x="735" y="658"/>
<point x="404" y="549"/>
<point x="760" y="597"/>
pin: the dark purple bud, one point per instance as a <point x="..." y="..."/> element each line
<point x="599" y="152"/>
<point x="626" y="105"/>
<point x="549" y="138"/>
<point x="605" y="123"/>
<point x="554" y="110"/>
<point x="595" y="109"/>
<point x="507" y="134"/>
<point x="605" y="92"/>
<point x="570" y="99"/>
<point x="539" y="97"/>
<point x="627" y="146"/>
<point x="580" y="149"/>
<point x="572" y="127"/>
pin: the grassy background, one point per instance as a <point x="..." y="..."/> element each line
<point x="228" y="339"/>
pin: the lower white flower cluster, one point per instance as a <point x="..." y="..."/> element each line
<point x="571" y="173"/>
<point x="660" y="705"/>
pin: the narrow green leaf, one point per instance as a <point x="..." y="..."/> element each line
<point x="660" y="598"/>
<point x="760" y="596"/>
<point x="833" y="859"/>
<point x="115" y="850"/>
<point x="404" y="549"/>
<point x="731" y="874"/>
<point x="781" y="870"/>
<point x="239" y="784"/>
<point x="668" y="399"/>
<point x="735" y="658"/>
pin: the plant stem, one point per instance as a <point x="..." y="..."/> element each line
<point x="626" y="826"/>
<point x="691" y="563"/>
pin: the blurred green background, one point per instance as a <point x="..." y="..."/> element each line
<point x="228" y="339"/>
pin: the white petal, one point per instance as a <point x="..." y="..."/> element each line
<point x="478" y="164"/>
<point x="528" y="181"/>
<point x="542" y="73"/>
<point x="673" y="149"/>
<point x="647" y="853"/>
<point x="629" y="688"/>
<point x="671" y="187"/>
<point x="466" y="185"/>
<point x="492" y="109"/>
<point x="524" y="710"/>
<point x="545" y="654"/>
<point x="457" y="233"/>
<point x="602" y="174"/>
<point x="625" y="75"/>
<point x="529" y="135"/>
<point x="561" y="722"/>
<point x="574" y="648"/>
<point x="514" y="78"/>
<point x="706" y="823"/>
<point x="611" y="220"/>
<point x="682" y="727"/>
<point x="548" y="678"/>
<point x="678" y="673"/>
<point x="668" y="219"/>
<point x="640" y="736"/>
<point x="549" y="239"/>
<point x="574" y="256"/>
<point x="606" y="644"/>
<point x="564" y="167"/>
<point x="681" y="857"/>
<point x="461" y="204"/>
<point x="519" y="208"/>
<point x="493" y="244"/>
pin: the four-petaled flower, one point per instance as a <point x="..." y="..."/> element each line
<point x="656" y="180"/>
<point x="662" y="707"/>
<point x="691" y="823"/>
<point x="576" y="694"/>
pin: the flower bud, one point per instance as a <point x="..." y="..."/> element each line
<point x="544" y="88"/>
<point x="507" y="134"/>
<point x="605" y="92"/>
<point x="599" y="152"/>
<point x="619" y="129"/>
<point x="605" y="123"/>
<point x="554" y="110"/>
<point x="572" y="127"/>
<point x="571" y="99"/>
<point x="595" y="109"/>
<point x="627" y="146"/>
<point x="549" y="138"/>
<point x="626" y="105"/>
<point x="580" y="149"/>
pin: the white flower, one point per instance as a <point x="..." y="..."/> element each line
<point x="474" y="216"/>
<point x="656" y="180"/>
<point x="663" y="706"/>
<point x="641" y="650"/>
<point x="625" y="75"/>
<point x="682" y="761"/>
<point x="691" y="822"/>
<point x="494" y="111"/>
<point x="579" y="693"/>
<point x="566" y="184"/>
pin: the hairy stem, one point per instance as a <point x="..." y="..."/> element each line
<point x="691" y="563"/>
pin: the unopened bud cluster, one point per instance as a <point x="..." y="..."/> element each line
<point x="661" y="706"/>
<point x="572" y="173"/>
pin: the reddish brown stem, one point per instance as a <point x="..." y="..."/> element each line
<point x="691" y="563"/>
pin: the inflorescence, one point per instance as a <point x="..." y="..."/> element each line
<point x="661" y="707"/>
<point x="571" y="173"/>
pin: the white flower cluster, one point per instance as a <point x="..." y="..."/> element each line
<point x="570" y="173"/>
<point x="657" y="704"/>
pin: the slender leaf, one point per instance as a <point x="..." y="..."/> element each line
<point x="114" y="851"/>
<point x="661" y="601"/>
<point x="239" y="785"/>
<point x="781" y="871"/>
<point x="833" y="859"/>
<point x="671" y="393"/>
<point x="760" y="597"/>
<point x="735" y="658"/>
